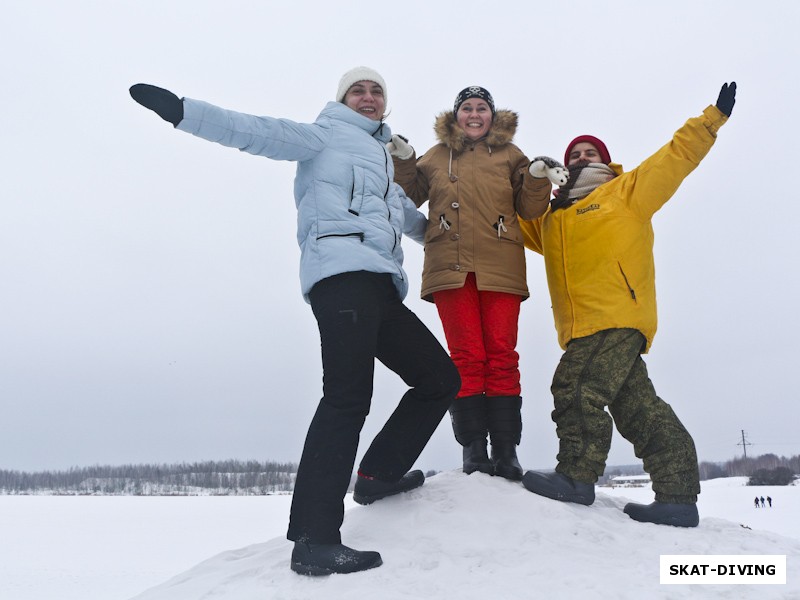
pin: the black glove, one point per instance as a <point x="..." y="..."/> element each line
<point x="163" y="102"/>
<point x="727" y="98"/>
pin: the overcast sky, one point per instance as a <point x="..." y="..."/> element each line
<point x="150" y="307"/>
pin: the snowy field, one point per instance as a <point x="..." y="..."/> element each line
<point x="456" y="537"/>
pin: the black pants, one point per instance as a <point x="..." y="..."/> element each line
<point x="361" y="318"/>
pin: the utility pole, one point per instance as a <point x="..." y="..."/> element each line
<point x="744" y="444"/>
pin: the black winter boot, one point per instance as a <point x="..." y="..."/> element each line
<point x="476" y="458"/>
<point x="557" y="486"/>
<point x="504" y="458"/>
<point x="468" y="415"/>
<point x="327" y="559"/>
<point x="664" y="513"/>
<point x="505" y="428"/>
<point x="367" y="490"/>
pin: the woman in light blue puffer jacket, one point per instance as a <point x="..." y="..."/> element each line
<point x="351" y="217"/>
<point x="351" y="214"/>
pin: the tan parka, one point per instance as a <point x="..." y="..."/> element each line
<point x="598" y="252"/>
<point x="475" y="192"/>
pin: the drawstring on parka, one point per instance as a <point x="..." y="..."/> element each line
<point x="500" y="226"/>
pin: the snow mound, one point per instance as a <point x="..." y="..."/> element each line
<point x="479" y="537"/>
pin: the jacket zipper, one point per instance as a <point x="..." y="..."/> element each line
<point x="386" y="192"/>
<point x="627" y="284"/>
<point x="353" y="193"/>
<point x="359" y="235"/>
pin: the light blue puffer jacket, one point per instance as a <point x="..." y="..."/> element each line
<point x="350" y="213"/>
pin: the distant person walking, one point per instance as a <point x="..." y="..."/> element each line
<point x="769" y="500"/>
<point x="762" y="502"/>
<point x="351" y="218"/>
<point x="757" y="505"/>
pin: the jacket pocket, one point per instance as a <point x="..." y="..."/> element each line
<point x="438" y="226"/>
<point x="628" y="284"/>
<point x="355" y="234"/>
<point x="507" y="229"/>
<point x="358" y="190"/>
<point x="331" y="230"/>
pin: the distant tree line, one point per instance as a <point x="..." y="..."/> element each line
<point x="230" y="477"/>
<point x="747" y="467"/>
<point x="777" y="476"/>
<point x="767" y="469"/>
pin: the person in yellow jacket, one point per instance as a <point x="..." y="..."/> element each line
<point x="597" y="242"/>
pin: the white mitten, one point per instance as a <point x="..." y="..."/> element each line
<point x="544" y="166"/>
<point x="400" y="147"/>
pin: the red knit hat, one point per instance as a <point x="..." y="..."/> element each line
<point x="601" y="147"/>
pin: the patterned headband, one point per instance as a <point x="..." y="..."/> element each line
<point x="474" y="91"/>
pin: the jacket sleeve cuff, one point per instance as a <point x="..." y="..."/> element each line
<point x="714" y="119"/>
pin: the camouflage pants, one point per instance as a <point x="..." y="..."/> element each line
<point x="606" y="370"/>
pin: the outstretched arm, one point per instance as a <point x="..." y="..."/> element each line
<point x="657" y="179"/>
<point x="280" y="139"/>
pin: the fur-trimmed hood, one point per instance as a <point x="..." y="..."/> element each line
<point x="477" y="193"/>
<point x="451" y="135"/>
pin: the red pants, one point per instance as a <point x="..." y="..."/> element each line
<point x="481" y="332"/>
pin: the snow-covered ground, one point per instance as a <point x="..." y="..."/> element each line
<point x="456" y="537"/>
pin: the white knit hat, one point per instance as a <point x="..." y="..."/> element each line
<point x="360" y="74"/>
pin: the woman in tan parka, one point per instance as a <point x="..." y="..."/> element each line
<point x="477" y="184"/>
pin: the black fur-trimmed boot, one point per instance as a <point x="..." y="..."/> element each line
<point x="505" y="429"/>
<point x="468" y="415"/>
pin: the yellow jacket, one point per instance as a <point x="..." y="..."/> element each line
<point x="598" y="252"/>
